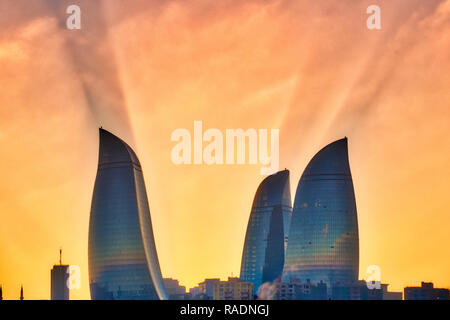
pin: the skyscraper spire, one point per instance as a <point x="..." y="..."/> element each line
<point x="1" y="292"/>
<point x="60" y="256"/>
<point x="21" y="292"/>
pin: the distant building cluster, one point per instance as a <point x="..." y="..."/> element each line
<point x="205" y="289"/>
<point x="123" y="263"/>
<point x="295" y="289"/>
<point x="211" y="289"/>
<point x="360" y="291"/>
<point x="426" y="292"/>
<point x="316" y="241"/>
<point x="233" y="289"/>
<point x="174" y="290"/>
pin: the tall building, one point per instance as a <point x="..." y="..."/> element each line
<point x="323" y="238"/>
<point x="233" y="289"/>
<point x="123" y="263"/>
<point x="426" y="291"/>
<point x="204" y="290"/>
<point x="59" y="281"/>
<point x="206" y="287"/>
<point x="21" y="293"/>
<point x="389" y="295"/>
<point x="1" y="292"/>
<point x="267" y="231"/>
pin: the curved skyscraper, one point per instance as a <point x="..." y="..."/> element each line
<point x="267" y="231"/>
<point x="323" y="237"/>
<point x="123" y="263"/>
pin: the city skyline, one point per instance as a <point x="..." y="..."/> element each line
<point x="142" y="70"/>
<point x="326" y="182"/>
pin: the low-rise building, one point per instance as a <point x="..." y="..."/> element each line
<point x="426" y="291"/>
<point x="390" y="295"/>
<point x="233" y="289"/>
<point x="295" y="289"/>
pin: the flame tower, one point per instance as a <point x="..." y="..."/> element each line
<point x="323" y="237"/>
<point x="123" y="263"/>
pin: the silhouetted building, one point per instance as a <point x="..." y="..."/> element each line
<point x="296" y="290"/>
<point x="267" y="231"/>
<point x="205" y="289"/>
<point x="374" y="294"/>
<point x="233" y="289"/>
<point x="198" y="296"/>
<point x="323" y="238"/>
<point x="356" y="290"/>
<point x="21" y="293"/>
<point x="390" y="295"/>
<point x="195" y="294"/>
<point x="59" y="281"/>
<point x="426" y="292"/>
<point x="123" y="263"/>
<point x="359" y="290"/>
<point x="1" y="292"/>
<point x="174" y="290"/>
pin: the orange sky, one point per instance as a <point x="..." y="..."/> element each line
<point x="145" y="68"/>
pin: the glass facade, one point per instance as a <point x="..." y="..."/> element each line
<point x="267" y="231"/>
<point x="323" y="237"/>
<point x="123" y="263"/>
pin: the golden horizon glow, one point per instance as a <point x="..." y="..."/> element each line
<point x="311" y="69"/>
